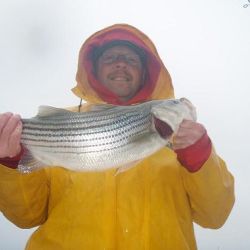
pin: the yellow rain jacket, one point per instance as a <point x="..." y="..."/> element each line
<point x="150" y="206"/>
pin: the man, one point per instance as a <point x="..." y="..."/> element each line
<point x="150" y="206"/>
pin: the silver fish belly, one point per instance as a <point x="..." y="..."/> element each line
<point x="97" y="140"/>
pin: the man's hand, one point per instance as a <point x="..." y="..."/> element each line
<point x="189" y="132"/>
<point x="10" y="135"/>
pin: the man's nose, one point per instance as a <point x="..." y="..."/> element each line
<point x="121" y="61"/>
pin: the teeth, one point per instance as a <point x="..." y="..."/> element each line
<point x="119" y="78"/>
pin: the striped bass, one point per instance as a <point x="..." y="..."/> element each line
<point x="105" y="137"/>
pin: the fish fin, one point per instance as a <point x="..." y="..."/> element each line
<point x="28" y="163"/>
<point x="101" y="107"/>
<point x="126" y="167"/>
<point x="44" y="111"/>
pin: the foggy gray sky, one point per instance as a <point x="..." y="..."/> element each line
<point x="204" y="44"/>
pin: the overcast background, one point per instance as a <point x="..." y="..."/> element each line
<point x="204" y="44"/>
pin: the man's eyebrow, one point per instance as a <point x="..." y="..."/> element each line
<point x="120" y="53"/>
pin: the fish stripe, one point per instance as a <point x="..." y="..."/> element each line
<point x="74" y="117"/>
<point x="84" y="131"/>
<point x="125" y="119"/>
<point x="87" y="146"/>
<point x="52" y="139"/>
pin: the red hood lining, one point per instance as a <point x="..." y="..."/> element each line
<point x="152" y="65"/>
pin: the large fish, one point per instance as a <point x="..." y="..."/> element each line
<point x="106" y="137"/>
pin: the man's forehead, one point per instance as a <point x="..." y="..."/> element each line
<point x="119" y="49"/>
<point x="98" y="51"/>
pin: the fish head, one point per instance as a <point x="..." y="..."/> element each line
<point x="172" y="112"/>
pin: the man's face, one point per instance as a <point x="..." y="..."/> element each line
<point x="120" y="70"/>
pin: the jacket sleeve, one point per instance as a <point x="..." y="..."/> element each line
<point x="211" y="192"/>
<point x="23" y="197"/>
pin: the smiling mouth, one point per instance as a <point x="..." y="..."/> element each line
<point x="120" y="77"/>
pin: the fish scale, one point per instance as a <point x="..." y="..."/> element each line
<point x="109" y="137"/>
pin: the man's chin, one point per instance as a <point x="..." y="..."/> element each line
<point x="123" y="97"/>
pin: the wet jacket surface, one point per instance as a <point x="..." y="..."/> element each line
<point x="150" y="206"/>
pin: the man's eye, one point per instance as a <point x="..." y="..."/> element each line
<point x="133" y="60"/>
<point x="108" y="58"/>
